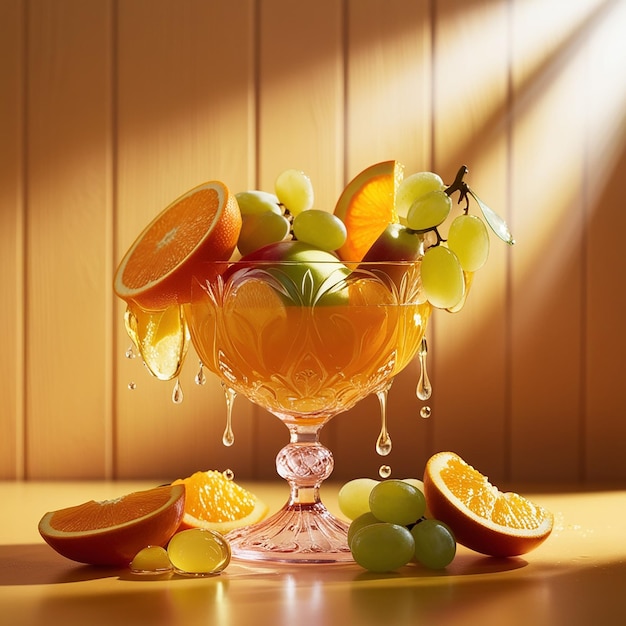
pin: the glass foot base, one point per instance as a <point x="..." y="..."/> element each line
<point x="298" y="533"/>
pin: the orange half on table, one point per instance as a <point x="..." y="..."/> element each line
<point x="482" y="517"/>
<point x="217" y="502"/>
<point x="112" y="532"/>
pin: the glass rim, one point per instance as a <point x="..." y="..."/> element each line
<point x="288" y="262"/>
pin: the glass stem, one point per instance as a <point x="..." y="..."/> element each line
<point x="304" y="463"/>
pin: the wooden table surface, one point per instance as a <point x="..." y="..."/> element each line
<point x="577" y="577"/>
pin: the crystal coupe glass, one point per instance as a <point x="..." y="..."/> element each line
<point x="306" y="342"/>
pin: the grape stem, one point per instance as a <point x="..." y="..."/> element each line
<point x="461" y="186"/>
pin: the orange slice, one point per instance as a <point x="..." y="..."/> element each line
<point x="367" y="205"/>
<point x="482" y="518"/>
<point x="112" y="532"/>
<point x="201" y="225"/>
<point x="218" y="503"/>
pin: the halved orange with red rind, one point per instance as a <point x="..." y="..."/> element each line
<point x="482" y="517"/>
<point x="367" y="206"/>
<point x="201" y="225"/>
<point x="112" y="532"/>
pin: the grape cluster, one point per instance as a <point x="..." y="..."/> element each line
<point x="389" y="528"/>
<point x="271" y="217"/>
<point x="424" y="204"/>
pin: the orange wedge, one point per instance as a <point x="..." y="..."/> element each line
<point x="218" y="503"/>
<point x="112" y="532"/>
<point x="367" y="206"/>
<point x="482" y="518"/>
<point x="201" y="225"/>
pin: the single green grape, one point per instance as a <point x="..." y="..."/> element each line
<point x="294" y="190"/>
<point x="354" y="497"/>
<point x="360" y="522"/>
<point x="435" y="544"/>
<point x="469" y="240"/>
<point x="429" y="211"/>
<point x="442" y="277"/>
<point x="416" y="482"/>
<point x="151" y="560"/>
<point x="256" y="201"/>
<point x="261" y="229"/>
<point x="199" y="552"/>
<point x="397" y="502"/>
<point x="320" y="229"/>
<point x="414" y="187"/>
<point x="382" y="547"/>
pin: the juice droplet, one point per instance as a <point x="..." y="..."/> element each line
<point x="198" y="552"/>
<point x="132" y="385"/>
<point x="161" y="338"/>
<point x="130" y="352"/>
<point x="383" y="443"/>
<point x="425" y="412"/>
<point x="200" y="378"/>
<point x="228" y="474"/>
<point x="384" y="471"/>
<point x="228" y="438"/>
<point x="177" y="393"/>
<point x="151" y="560"/>
<point x="424" y="389"/>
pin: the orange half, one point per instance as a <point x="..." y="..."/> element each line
<point x="482" y="517"/>
<point x="112" y="532"/>
<point x="201" y="225"/>
<point x="367" y="206"/>
<point x="218" y="503"/>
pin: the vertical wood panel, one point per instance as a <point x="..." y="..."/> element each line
<point x="68" y="213"/>
<point x="11" y="237"/>
<point x="388" y="84"/>
<point x="387" y="117"/>
<point x="605" y="402"/>
<point x="301" y="94"/>
<point x="468" y="349"/>
<point x="184" y="117"/>
<point x="547" y="278"/>
<point x="300" y="125"/>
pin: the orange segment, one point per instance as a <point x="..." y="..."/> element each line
<point x="481" y="516"/>
<point x="367" y="206"/>
<point x="114" y="531"/>
<point x="201" y="225"/>
<point x="218" y="503"/>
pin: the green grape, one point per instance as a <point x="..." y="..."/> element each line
<point x="414" y="187"/>
<point x="199" y="551"/>
<point x="442" y="277"/>
<point x="416" y="482"/>
<point x="260" y="229"/>
<point x="435" y="545"/>
<point x="429" y="210"/>
<point x="469" y="240"/>
<point x="253" y="202"/>
<point x="294" y="190"/>
<point x="354" y="497"/>
<point x="151" y="560"/>
<point x="382" y="547"/>
<point x="320" y="229"/>
<point x="360" y="522"/>
<point x="397" y="502"/>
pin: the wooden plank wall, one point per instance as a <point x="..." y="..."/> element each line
<point x="110" y="109"/>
